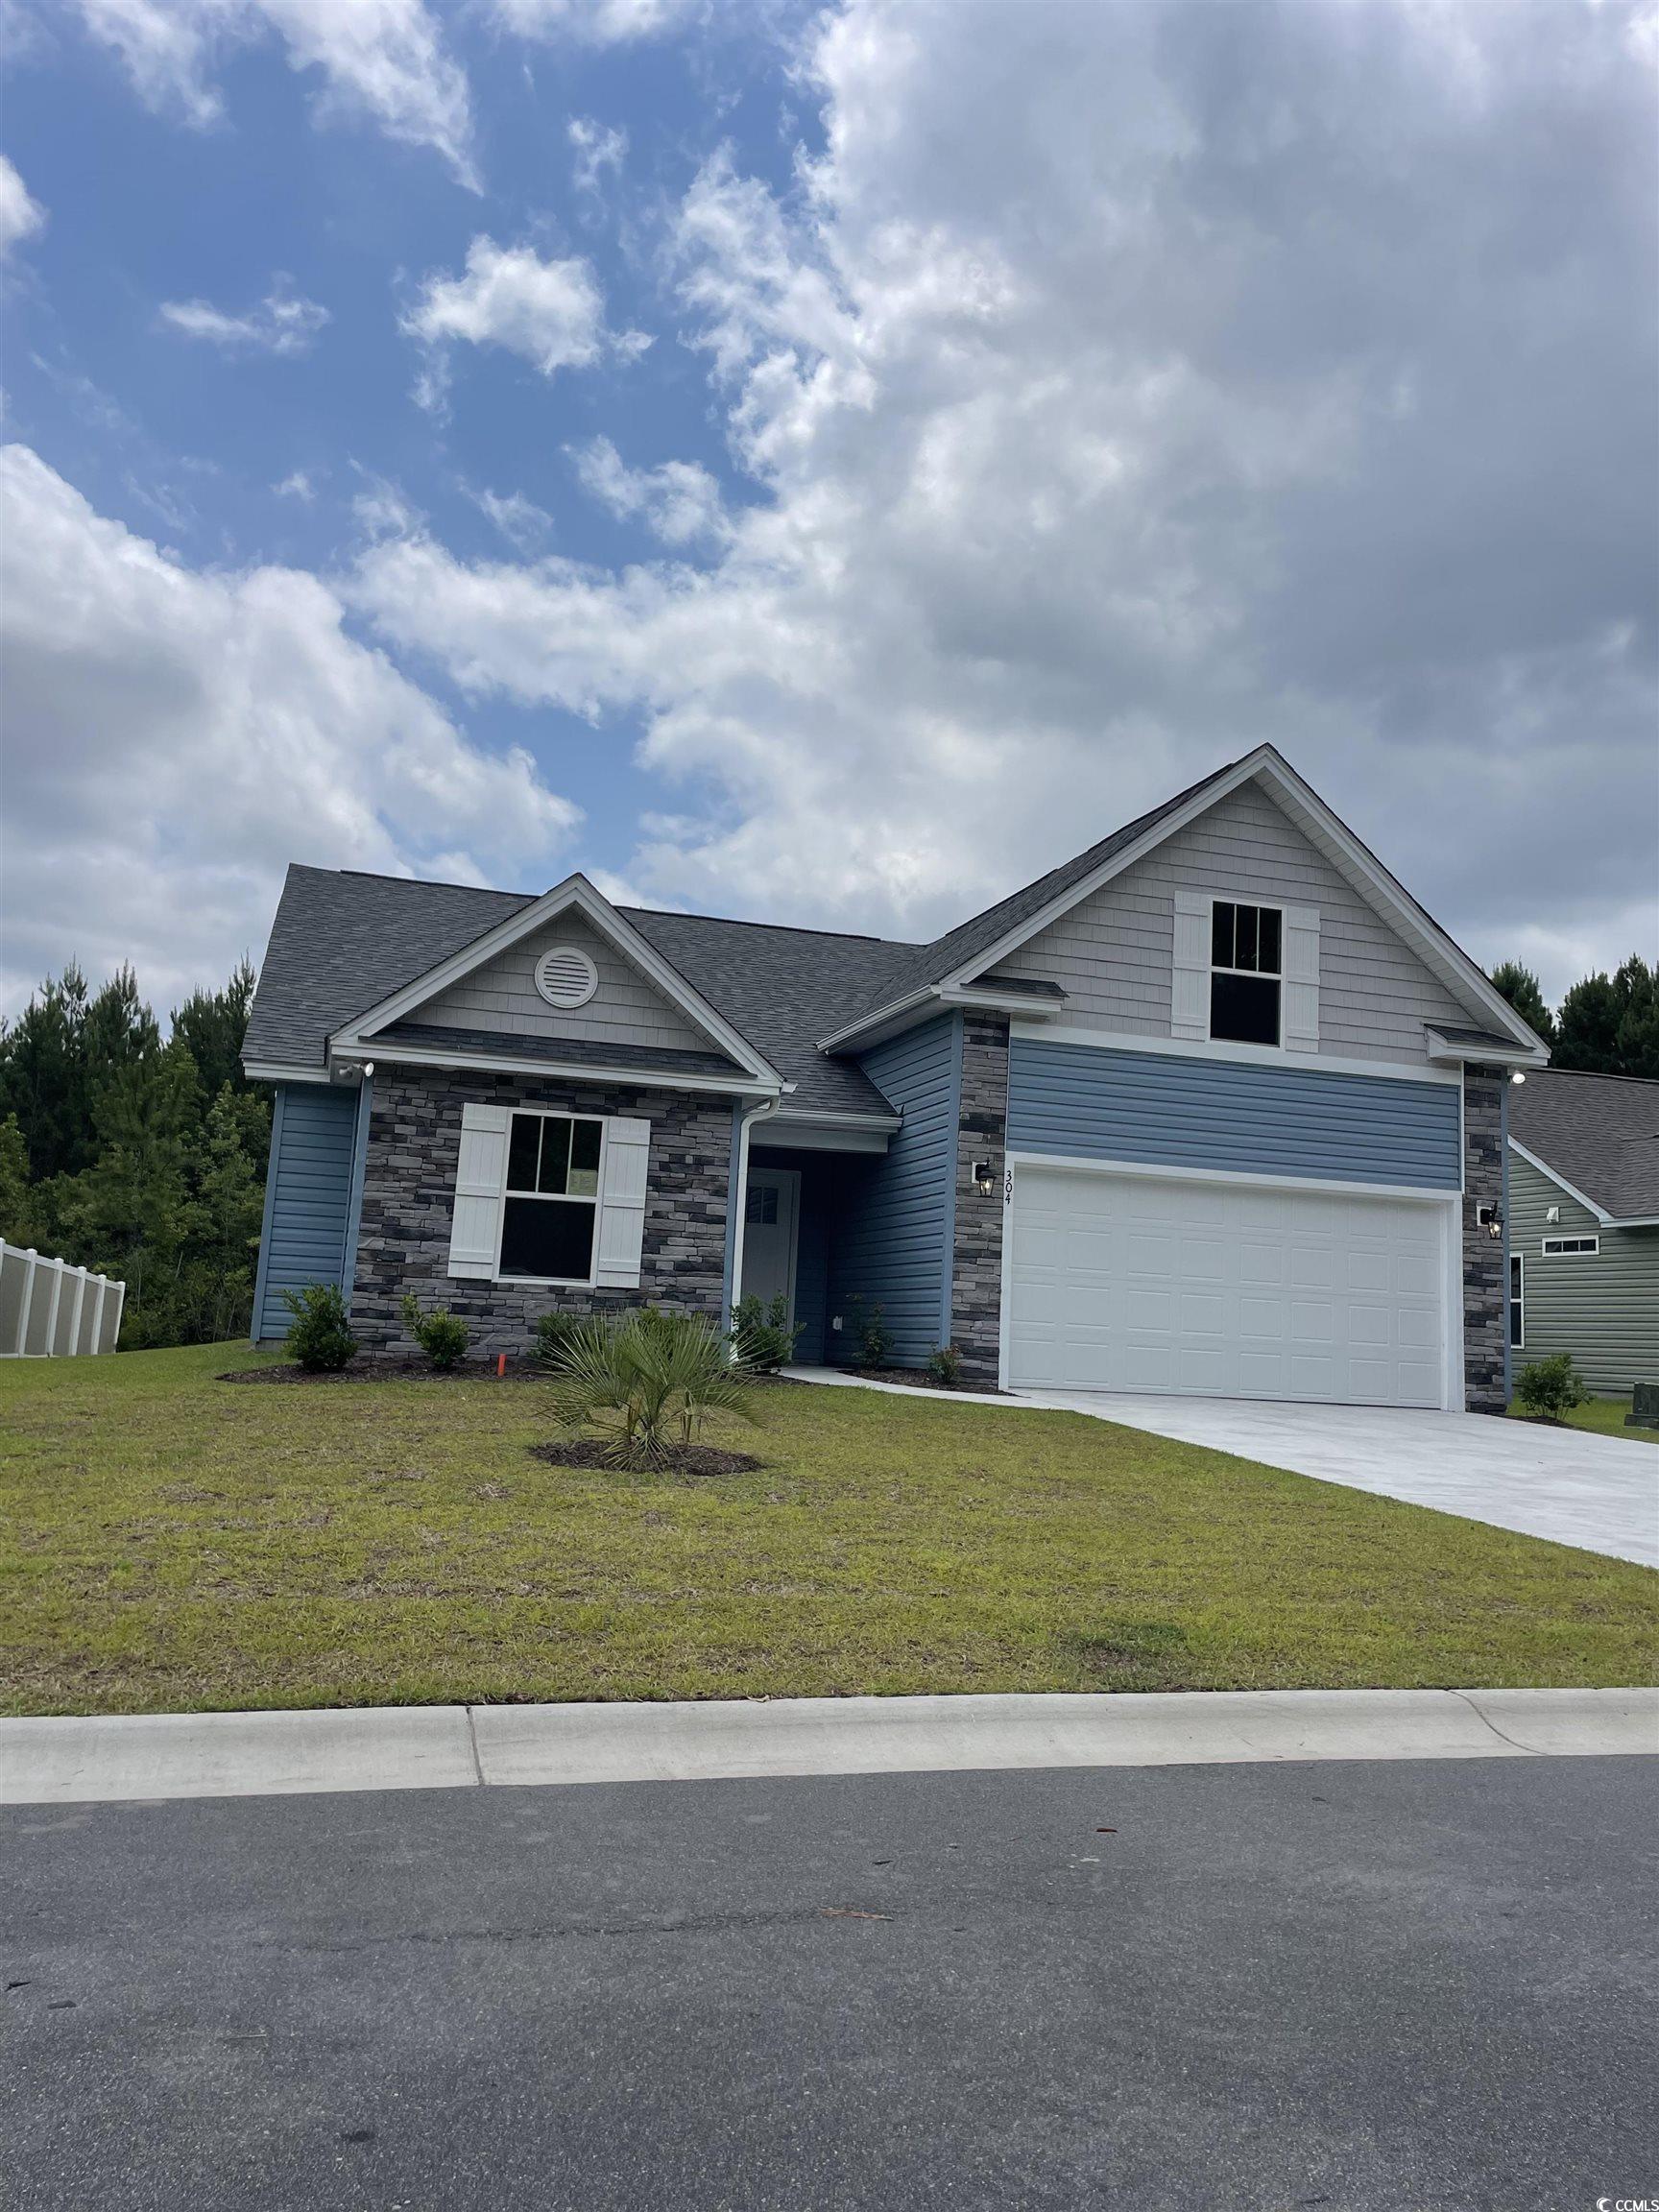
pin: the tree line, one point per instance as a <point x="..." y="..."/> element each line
<point x="145" y="1158"/>
<point x="140" y="1157"/>
<point x="1606" y="1026"/>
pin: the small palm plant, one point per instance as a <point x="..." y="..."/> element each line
<point x="647" y="1381"/>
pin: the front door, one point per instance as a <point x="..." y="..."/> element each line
<point x="769" y="1219"/>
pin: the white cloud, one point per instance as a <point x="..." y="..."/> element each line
<point x="297" y="485"/>
<point x="1110" y="408"/>
<point x="519" y="520"/>
<point x="680" y="499"/>
<point x="383" y="59"/>
<point x="20" y="217"/>
<point x="550" y="313"/>
<point x="596" y="147"/>
<point x="174" y="738"/>
<point x="282" y="324"/>
<point x="592" y="22"/>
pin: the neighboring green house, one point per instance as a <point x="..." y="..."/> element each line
<point x="1584" y="1225"/>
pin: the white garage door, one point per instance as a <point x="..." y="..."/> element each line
<point x="1224" y="1290"/>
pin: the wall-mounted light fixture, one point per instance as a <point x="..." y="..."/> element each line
<point x="1489" y="1218"/>
<point x="1517" y="1077"/>
<point x="985" y="1178"/>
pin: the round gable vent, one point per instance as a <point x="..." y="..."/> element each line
<point x="566" y="977"/>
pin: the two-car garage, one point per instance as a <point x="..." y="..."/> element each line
<point x="1221" y="1288"/>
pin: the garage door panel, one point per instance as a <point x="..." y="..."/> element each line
<point x="1135" y="1282"/>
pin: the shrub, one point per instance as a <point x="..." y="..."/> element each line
<point x="552" y="1334"/>
<point x="320" y="1336"/>
<point x="870" y="1328"/>
<point x="443" y="1336"/>
<point x="946" y="1367"/>
<point x="762" y="1337"/>
<point x="649" y="1380"/>
<point x="1551" y="1387"/>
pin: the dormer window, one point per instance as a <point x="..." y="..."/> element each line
<point x="1246" y="963"/>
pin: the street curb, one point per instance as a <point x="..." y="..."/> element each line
<point x="119" y="1758"/>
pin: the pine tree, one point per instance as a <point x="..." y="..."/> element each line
<point x="1609" y="1025"/>
<point x="1523" y="992"/>
<point x="213" y="1024"/>
<point x="14" y="1208"/>
<point x="43" y="1076"/>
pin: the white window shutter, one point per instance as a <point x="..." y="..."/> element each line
<point x="1190" y="983"/>
<point x="480" y="1178"/>
<point x="1301" y="1025"/>
<point x="622" y="1203"/>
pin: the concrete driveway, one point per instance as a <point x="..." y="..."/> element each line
<point x="1600" y="1492"/>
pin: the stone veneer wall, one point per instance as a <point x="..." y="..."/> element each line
<point x="409" y="1189"/>
<point x="1485" y="1274"/>
<point x="981" y="1133"/>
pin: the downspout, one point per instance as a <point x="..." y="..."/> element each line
<point x="740" y="1194"/>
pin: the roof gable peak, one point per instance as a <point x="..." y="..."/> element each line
<point x="574" y="894"/>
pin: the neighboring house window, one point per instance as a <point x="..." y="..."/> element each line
<point x="1245" y="966"/>
<point x="551" y="1204"/>
<point x="1571" y="1247"/>
<point x="1517" y="1300"/>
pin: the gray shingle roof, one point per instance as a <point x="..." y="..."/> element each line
<point x="784" y="988"/>
<point x="931" y="963"/>
<point x="343" y="941"/>
<point x="1600" y="1132"/>
<point x="1473" y="1040"/>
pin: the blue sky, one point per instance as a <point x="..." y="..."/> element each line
<point x="821" y="464"/>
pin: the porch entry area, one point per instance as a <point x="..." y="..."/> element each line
<point x="790" y="1206"/>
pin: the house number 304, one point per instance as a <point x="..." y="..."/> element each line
<point x="1007" y="1186"/>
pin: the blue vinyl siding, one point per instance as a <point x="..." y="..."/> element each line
<point x="892" y="1239"/>
<point x="308" y="1197"/>
<point x="1168" y="1110"/>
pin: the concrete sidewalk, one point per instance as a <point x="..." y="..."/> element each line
<point x="79" y="1761"/>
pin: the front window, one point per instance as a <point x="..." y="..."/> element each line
<point x="1245" y="956"/>
<point x="1517" y="1301"/>
<point x="552" y="1198"/>
<point x="1572" y="1247"/>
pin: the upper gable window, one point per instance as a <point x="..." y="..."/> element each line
<point x="1246" y="958"/>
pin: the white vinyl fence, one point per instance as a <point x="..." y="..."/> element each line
<point x="51" y="1310"/>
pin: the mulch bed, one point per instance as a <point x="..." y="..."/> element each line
<point x="390" y="1371"/>
<point x="681" y="1458"/>
<point x="919" y="1379"/>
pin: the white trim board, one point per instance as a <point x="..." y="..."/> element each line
<point x="1420" y="1194"/>
<point x="276" y="1071"/>
<point x="1246" y="1055"/>
<point x="732" y="1086"/>
<point x="575" y="892"/>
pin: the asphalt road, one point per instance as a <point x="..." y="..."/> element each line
<point x="1414" y="1986"/>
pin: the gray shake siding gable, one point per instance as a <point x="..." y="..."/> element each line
<point x="409" y="1191"/>
<point x="1114" y="953"/>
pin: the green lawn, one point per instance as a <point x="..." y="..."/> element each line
<point x="1604" y="1415"/>
<point x="168" y="1541"/>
